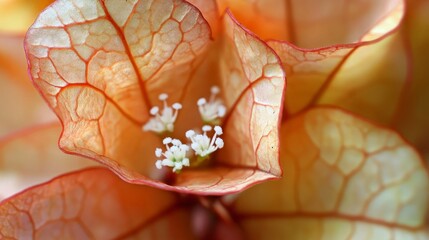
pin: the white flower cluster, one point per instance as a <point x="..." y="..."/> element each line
<point x="176" y="153"/>
<point x="176" y="156"/>
<point x="203" y="145"/>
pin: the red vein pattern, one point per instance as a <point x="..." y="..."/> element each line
<point x="340" y="74"/>
<point x="344" y="179"/>
<point x="333" y="68"/>
<point x="252" y="127"/>
<point x="93" y="204"/>
<point x="101" y="66"/>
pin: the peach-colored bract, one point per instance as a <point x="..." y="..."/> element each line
<point x="93" y="204"/>
<point x="101" y="68"/>
<point x="345" y="179"/>
<point x="338" y="53"/>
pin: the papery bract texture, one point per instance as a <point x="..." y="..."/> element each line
<point x="20" y="105"/>
<point x="359" y="66"/>
<point x="101" y="68"/>
<point x="31" y="156"/>
<point x="252" y="81"/>
<point x="93" y="204"/>
<point x="209" y="10"/>
<point x="344" y="179"/>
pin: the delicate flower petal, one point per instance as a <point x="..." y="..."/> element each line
<point x="345" y="179"/>
<point x="93" y="204"/>
<point x="344" y="69"/>
<point x="17" y="15"/>
<point x="31" y="157"/>
<point x="104" y="46"/>
<point x="102" y="121"/>
<point x="96" y="128"/>
<point x="20" y="104"/>
<point x="252" y="83"/>
<point x="102" y="64"/>
<point x="251" y="129"/>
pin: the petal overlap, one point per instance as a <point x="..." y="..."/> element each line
<point x="334" y="68"/>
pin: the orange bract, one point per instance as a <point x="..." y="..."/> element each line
<point x="101" y="68"/>
<point x="93" y="204"/>
<point x="344" y="179"/>
<point x="338" y="53"/>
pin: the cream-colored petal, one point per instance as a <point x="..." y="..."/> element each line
<point x="254" y="82"/>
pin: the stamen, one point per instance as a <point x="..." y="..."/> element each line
<point x="163" y="121"/>
<point x="213" y="110"/>
<point x="174" y="155"/>
<point x="202" y="144"/>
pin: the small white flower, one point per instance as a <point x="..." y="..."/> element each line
<point x="212" y="110"/>
<point x="174" y="155"/>
<point x="202" y="144"/>
<point x="163" y="121"/>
